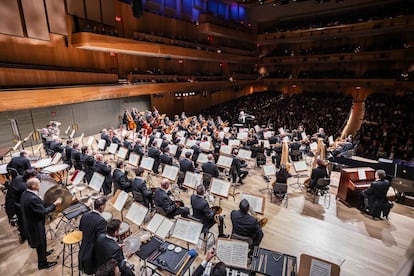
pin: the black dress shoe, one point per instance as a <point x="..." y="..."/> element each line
<point x="224" y="236"/>
<point x="47" y="265"/>
<point x="48" y="253"/>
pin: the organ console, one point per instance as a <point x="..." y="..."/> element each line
<point x="352" y="181"/>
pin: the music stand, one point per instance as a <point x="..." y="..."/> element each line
<point x="299" y="167"/>
<point x="268" y="171"/>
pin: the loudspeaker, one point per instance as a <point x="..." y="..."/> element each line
<point x="137" y="8"/>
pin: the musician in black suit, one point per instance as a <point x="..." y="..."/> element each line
<point x="165" y="157"/>
<point x="34" y="213"/>
<point x="56" y="145"/>
<point x="376" y="194"/>
<point x="209" y="166"/>
<point x="92" y="224"/>
<point x="104" y="169"/>
<point x="139" y="186"/>
<point x="105" y="136"/>
<point x="317" y="173"/>
<point x="75" y="156"/>
<point x="14" y="193"/>
<point x="163" y="201"/>
<point x="107" y="247"/>
<point x="236" y="170"/>
<point x="203" y="212"/>
<point x="87" y="161"/>
<point x="67" y="157"/>
<point x="246" y="225"/>
<point x="138" y="149"/>
<point x="155" y="153"/>
<point x="186" y="164"/>
<point x="20" y="163"/>
<point x="120" y="178"/>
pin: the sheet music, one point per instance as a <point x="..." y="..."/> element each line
<point x="79" y="178"/>
<point x="186" y="150"/>
<point x="173" y="149"/>
<point x="157" y="135"/>
<point x="225" y="161"/>
<point x="331" y="140"/>
<point x="147" y="163"/>
<point x="226" y="129"/>
<point x="255" y="202"/>
<point x="101" y="144"/>
<point x="202" y="158"/>
<point x="233" y="252"/>
<point x="319" y="268"/>
<point x="220" y="187"/>
<point x="96" y="181"/>
<point x="300" y="166"/>
<point x="56" y="158"/>
<point x="113" y="148"/>
<point x="242" y="135"/>
<point x="266" y="143"/>
<point x="170" y="172"/>
<point x="160" y="226"/>
<point x="122" y="153"/>
<point x="313" y="146"/>
<point x="187" y="230"/>
<point x="224" y="149"/>
<point x="192" y="180"/>
<point x="120" y="200"/>
<point x="269" y="170"/>
<point x="133" y="159"/>
<point x="234" y="143"/>
<point x="90" y="141"/>
<point x="244" y="154"/>
<point x="181" y="133"/>
<point x="159" y="141"/>
<point x="137" y="213"/>
<point x="205" y="146"/>
<point x="361" y="174"/>
<point x="268" y="134"/>
<point x="221" y="135"/>
<point x="190" y="143"/>
<point x="154" y="223"/>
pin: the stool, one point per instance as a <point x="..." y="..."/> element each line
<point x="70" y="240"/>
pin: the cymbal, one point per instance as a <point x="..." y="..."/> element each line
<point x="54" y="193"/>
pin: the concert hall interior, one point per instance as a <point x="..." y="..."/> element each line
<point x="301" y="107"/>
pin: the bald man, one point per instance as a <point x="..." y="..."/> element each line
<point x="34" y="214"/>
<point x="163" y="200"/>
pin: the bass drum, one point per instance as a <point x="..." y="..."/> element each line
<point x="46" y="182"/>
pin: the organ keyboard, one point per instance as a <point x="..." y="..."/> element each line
<point x="352" y="181"/>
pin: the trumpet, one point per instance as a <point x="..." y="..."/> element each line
<point x="262" y="221"/>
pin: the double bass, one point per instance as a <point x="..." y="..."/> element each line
<point x="131" y="124"/>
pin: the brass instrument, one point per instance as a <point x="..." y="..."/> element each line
<point x="149" y="182"/>
<point x="262" y="221"/>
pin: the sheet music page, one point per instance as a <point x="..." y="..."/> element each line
<point x="234" y="143"/>
<point x="186" y="150"/>
<point x="255" y="202"/>
<point x="112" y="148"/>
<point x="224" y="161"/>
<point x="96" y="181"/>
<point x="202" y="158"/>
<point x="268" y="134"/>
<point x="319" y="268"/>
<point x="133" y="159"/>
<point x="90" y="141"/>
<point x="137" y="213"/>
<point x="157" y="135"/>
<point x="168" y="137"/>
<point x="144" y="140"/>
<point x="101" y="144"/>
<point x="79" y="178"/>
<point x="300" y="166"/>
<point x="269" y="170"/>
<point x="121" y="200"/>
<point x="147" y="163"/>
<point x="313" y="146"/>
<point x="242" y="135"/>
<point x="226" y="129"/>
<point x="205" y="146"/>
<point x="221" y="135"/>
<point x="220" y="187"/>
<point x="173" y="149"/>
<point x="122" y="152"/>
<point x="56" y="158"/>
<point x="190" y="143"/>
<point x="154" y="223"/>
<point x="159" y="141"/>
<point x="192" y="180"/>
<point x="170" y="172"/>
<point x="187" y="230"/>
<point x="165" y="228"/>
<point x="265" y="143"/>
<point x="244" y="154"/>
<point x="361" y="174"/>
<point x="181" y="133"/>
<point x="225" y="149"/>
<point x="304" y="136"/>
<point x="233" y="252"/>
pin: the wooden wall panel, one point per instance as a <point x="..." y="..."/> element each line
<point x="10" y="21"/>
<point x="108" y="12"/>
<point x="93" y="10"/>
<point x="35" y="19"/>
<point x="56" y="16"/>
<point x="76" y="7"/>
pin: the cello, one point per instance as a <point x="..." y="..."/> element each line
<point x="131" y="124"/>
